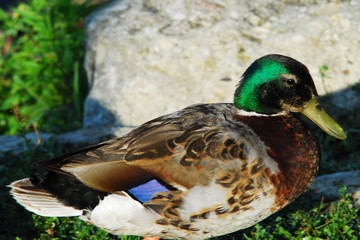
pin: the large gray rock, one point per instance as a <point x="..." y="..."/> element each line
<point x="146" y="58"/>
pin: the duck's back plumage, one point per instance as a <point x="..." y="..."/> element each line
<point x="209" y="169"/>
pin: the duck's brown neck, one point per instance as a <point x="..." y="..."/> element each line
<point x="291" y="144"/>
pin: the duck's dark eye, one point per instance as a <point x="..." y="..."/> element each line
<point x="289" y="81"/>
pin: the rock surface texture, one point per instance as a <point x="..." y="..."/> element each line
<point x="15" y="144"/>
<point x="146" y="58"/>
<point x="327" y="186"/>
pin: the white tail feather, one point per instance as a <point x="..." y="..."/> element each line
<point x="40" y="201"/>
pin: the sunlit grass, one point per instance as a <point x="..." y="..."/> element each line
<point x="41" y="76"/>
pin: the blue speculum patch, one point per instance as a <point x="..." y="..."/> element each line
<point x="145" y="191"/>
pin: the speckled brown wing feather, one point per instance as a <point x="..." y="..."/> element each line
<point x="183" y="149"/>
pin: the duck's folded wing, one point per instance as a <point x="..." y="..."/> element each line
<point x="104" y="166"/>
<point x="180" y="156"/>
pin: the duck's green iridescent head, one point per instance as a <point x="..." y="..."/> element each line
<point x="277" y="83"/>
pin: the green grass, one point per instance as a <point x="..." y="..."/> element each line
<point x="42" y="81"/>
<point x="43" y="85"/>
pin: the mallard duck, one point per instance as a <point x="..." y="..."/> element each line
<point x="204" y="171"/>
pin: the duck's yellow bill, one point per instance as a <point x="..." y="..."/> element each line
<point x="317" y="114"/>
